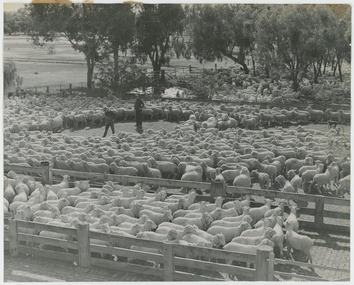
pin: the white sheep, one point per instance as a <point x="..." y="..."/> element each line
<point x="299" y="242"/>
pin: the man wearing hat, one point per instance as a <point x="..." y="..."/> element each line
<point x="138" y="106"/>
<point x="109" y="115"/>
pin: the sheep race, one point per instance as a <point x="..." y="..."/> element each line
<point x="225" y="174"/>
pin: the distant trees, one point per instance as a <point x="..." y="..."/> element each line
<point x="157" y="27"/>
<point x="16" y="22"/>
<point x="289" y="41"/>
<point x="222" y="31"/>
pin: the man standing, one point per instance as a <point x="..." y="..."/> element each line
<point x="109" y="115"/>
<point x="138" y="106"/>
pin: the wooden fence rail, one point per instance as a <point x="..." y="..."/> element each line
<point x="320" y="201"/>
<point x="121" y="246"/>
<point x="173" y="265"/>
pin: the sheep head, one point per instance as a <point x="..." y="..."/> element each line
<point x="216" y="214"/>
<point x="189" y="229"/>
<point x="206" y="220"/>
<point x="172" y="235"/>
<point x="149" y="225"/>
<point x="218" y="240"/>
<point x="136" y="228"/>
<point x="244" y="226"/>
<point x="167" y="215"/>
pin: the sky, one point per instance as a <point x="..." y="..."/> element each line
<point x="10" y="7"/>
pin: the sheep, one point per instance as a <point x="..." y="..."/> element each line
<point x="298" y="242"/>
<point x="258" y="213"/>
<point x="296" y="164"/>
<point x="217" y="240"/>
<point x="254" y="240"/>
<point x="263" y="178"/>
<point x="266" y="168"/>
<point x="242" y="181"/>
<point x="257" y="231"/>
<point x="278" y="237"/>
<point x="121" y="170"/>
<point x="344" y="185"/>
<point x="322" y="179"/>
<point x="202" y="223"/>
<point x="229" y="233"/>
<point x="244" y="203"/>
<point x="284" y="185"/>
<point x="167" y="168"/>
<point x="151" y="172"/>
<point x="158" y="218"/>
<point x="292" y="218"/>
<point x="223" y="223"/>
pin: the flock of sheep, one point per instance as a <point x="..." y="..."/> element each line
<point x="209" y="145"/>
<point x="132" y="212"/>
<point x="55" y="113"/>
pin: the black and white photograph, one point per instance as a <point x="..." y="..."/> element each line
<point x="191" y="142"/>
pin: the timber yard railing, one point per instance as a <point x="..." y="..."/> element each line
<point x="179" y="263"/>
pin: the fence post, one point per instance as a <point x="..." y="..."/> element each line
<point x="83" y="241"/>
<point x="71" y="88"/>
<point x="13" y="244"/>
<point x="217" y="189"/>
<point x="190" y="69"/>
<point x="48" y="89"/>
<point x="46" y="175"/>
<point x="125" y="180"/>
<point x="168" y="262"/>
<point x="319" y="208"/>
<point x="271" y="266"/>
<point x="262" y="262"/>
<point x="216" y="66"/>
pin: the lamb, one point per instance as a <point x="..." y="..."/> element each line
<point x="172" y="235"/>
<point x="295" y="181"/>
<point x="217" y="240"/>
<point x="322" y="179"/>
<point x="243" y="203"/>
<point x="242" y="181"/>
<point x="208" y="172"/>
<point x="167" y="168"/>
<point x="278" y="237"/>
<point x="257" y="231"/>
<point x="121" y="170"/>
<point x="202" y="223"/>
<point x="284" y="185"/>
<point x="258" y="213"/>
<point x="126" y="202"/>
<point x="151" y="172"/>
<point x="266" y="168"/>
<point x="232" y="212"/>
<point x="344" y="185"/>
<point x="298" y="242"/>
<point x="308" y="175"/>
<point x="296" y="164"/>
<point x="223" y="223"/>
<point x="254" y="240"/>
<point x="158" y="218"/>
<point x="247" y="249"/>
<point x="229" y="233"/>
<point x="208" y="206"/>
<point x="292" y="218"/>
<point x="263" y="178"/>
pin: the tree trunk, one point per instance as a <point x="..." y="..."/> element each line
<point x="254" y="66"/>
<point x="340" y="69"/>
<point x="239" y="61"/>
<point x="90" y="67"/>
<point x="334" y="69"/>
<point x="116" y="69"/>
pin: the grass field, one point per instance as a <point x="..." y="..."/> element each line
<point x="39" y="68"/>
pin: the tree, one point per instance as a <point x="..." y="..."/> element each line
<point x="10" y="76"/>
<point x="118" y="27"/>
<point x="288" y="32"/>
<point x="157" y="27"/>
<point x="80" y="24"/>
<point x="223" y="30"/>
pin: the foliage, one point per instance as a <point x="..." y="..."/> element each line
<point x="16" y="22"/>
<point x="131" y="75"/>
<point x="78" y="23"/>
<point x="158" y="28"/>
<point x="10" y="76"/>
<point x="223" y="30"/>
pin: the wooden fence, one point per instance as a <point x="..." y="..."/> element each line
<point x="175" y="267"/>
<point x="175" y="262"/>
<point x="90" y="248"/>
<point x="318" y="212"/>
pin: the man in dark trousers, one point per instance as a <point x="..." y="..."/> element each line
<point x="109" y="115"/>
<point x="138" y="106"/>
